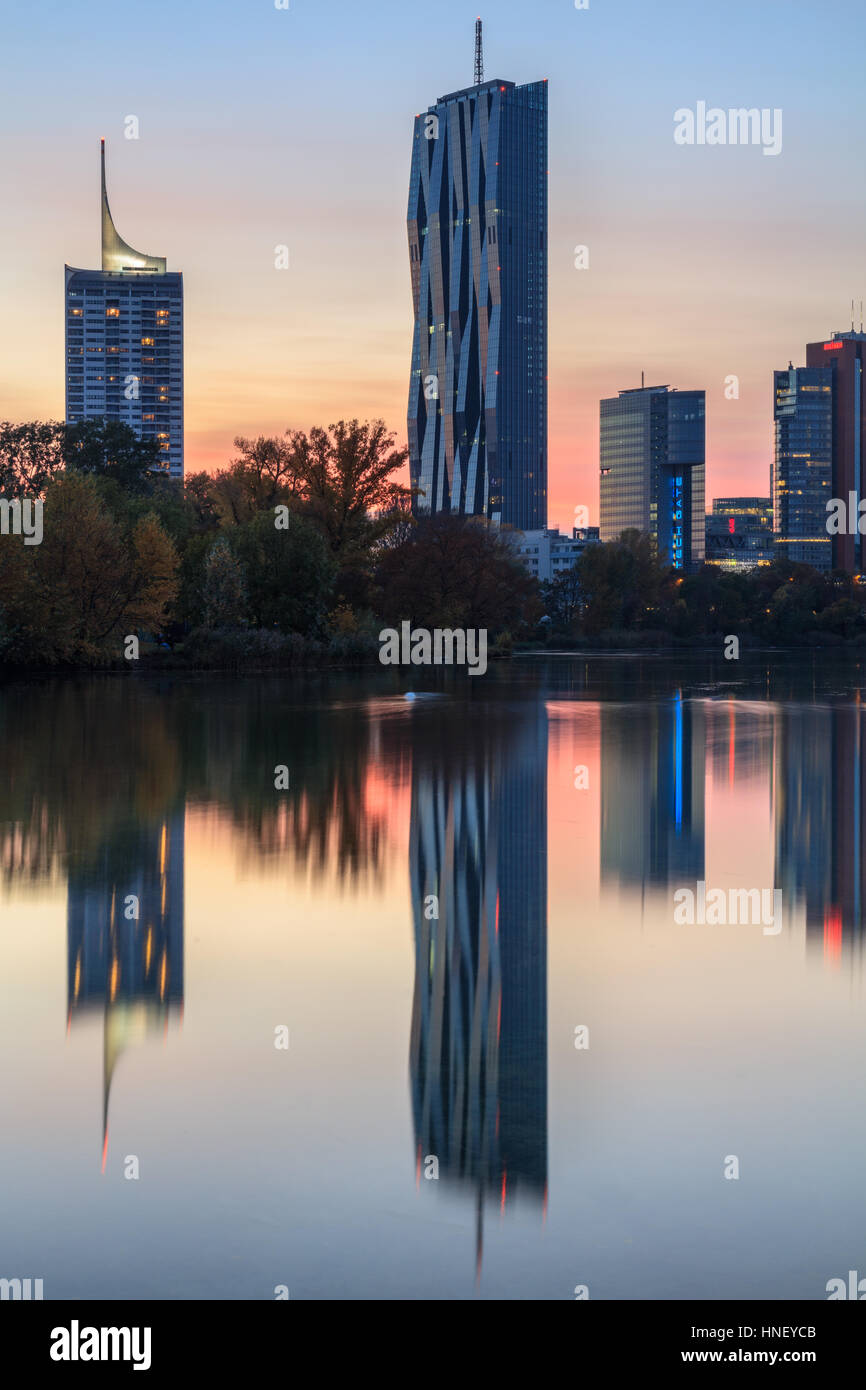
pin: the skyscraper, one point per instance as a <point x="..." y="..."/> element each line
<point x="845" y="355"/>
<point x="477" y="225"/>
<point x="124" y="343"/>
<point x="652" y="446"/>
<point x="803" y="464"/>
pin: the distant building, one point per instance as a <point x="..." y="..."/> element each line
<point x="652" y="470"/>
<point x="548" y="553"/>
<point x="477" y="226"/>
<point x="845" y="355"/>
<point x="124" y="343"/>
<point x="803" y="464"/>
<point x="740" y="533"/>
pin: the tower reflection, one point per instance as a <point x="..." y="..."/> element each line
<point x="478" y="870"/>
<point x="819" y="773"/>
<point x="652" y="793"/>
<point x="125" y="919"/>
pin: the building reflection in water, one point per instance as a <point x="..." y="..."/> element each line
<point x="652" y="794"/>
<point x="819" y="785"/>
<point x="478" y="867"/>
<point x="128" y="966"/>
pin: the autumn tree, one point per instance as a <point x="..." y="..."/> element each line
<point x="456" y="571"/>
<point x="89" y="583"/>
<point x="224" y="587"/>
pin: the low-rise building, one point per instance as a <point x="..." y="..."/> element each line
<point x="548" y="553"/>
<point x="740" y="533"/>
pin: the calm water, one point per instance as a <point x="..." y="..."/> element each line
<point x="449" y="888"/>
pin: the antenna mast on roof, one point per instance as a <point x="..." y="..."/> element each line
<point x="479" y="55"/>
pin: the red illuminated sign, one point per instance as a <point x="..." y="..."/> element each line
<point x="831" y="347"/>
<point x="731" y="525"/>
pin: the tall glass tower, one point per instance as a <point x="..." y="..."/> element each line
<point x="653" y="452"/>
<point x="124" y="343"/>
<point x="803" y="464"/>
<point x="477" y="226"/>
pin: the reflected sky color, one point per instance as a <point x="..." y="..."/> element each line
<point x="262" y="127"/>
<point x="414" y="1034"/>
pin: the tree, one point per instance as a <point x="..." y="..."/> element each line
<point x="89" y="583"/>
<point x="346" y="482"/>
<point x="622" y="582"/>
<point x="562" y="598"/>
<point x="455" y="571"/>
<point x="31" y="455"/>
<point x="290" y="573"/>
<point x="109" y="449"/>
<point x="224" y="592"/>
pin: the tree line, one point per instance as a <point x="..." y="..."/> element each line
<point x="304" y="545"/>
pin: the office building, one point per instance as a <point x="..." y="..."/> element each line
<point x="740" y="533"/>
<point x="803" y="464"/>
<point x="844" y="355"/>
<point x="652" y="460"/>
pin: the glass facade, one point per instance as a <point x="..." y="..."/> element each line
<point x="803" y="464"/>
<point x="740" y="533"/>
<point x="124" y="343"/>
<point x="845" y="356"/>
<point x="477" y="226"/>
<point x="652" y="470"/>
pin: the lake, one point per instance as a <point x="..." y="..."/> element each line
<point x="307" y="986"/>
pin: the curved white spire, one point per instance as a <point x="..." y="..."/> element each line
<point x="117" y="254"/>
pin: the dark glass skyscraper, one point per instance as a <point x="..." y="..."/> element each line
<point x="803" y="464"/>
<point x="845" y="356"/>
<point x="652" y="446"/>
<point x="477" y="227"/>
<point x="124" y="343"/>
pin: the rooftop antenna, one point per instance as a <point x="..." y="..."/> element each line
<point x="852" y="315"/>
<point x="641" y="381"/>
<point x="479" y="54"/>
<point x="861" y="315"/>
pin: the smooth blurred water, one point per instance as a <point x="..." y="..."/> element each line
<point x="449" y="888"/>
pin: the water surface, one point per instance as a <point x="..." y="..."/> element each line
<point x="447" y="890"/>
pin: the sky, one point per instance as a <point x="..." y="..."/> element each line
<point x="261" y="127"/>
